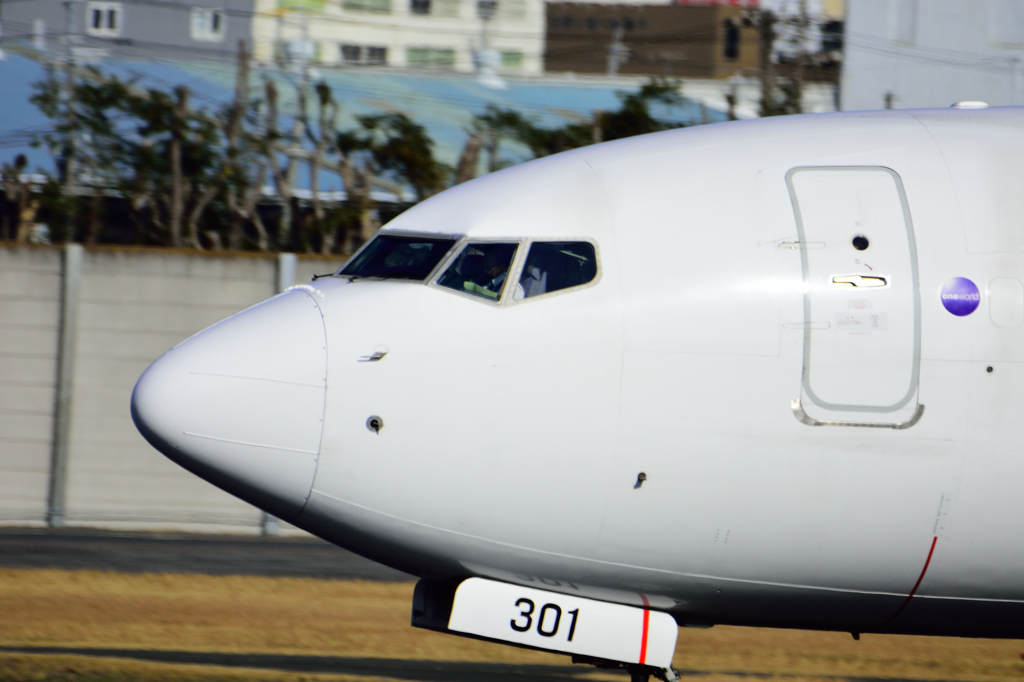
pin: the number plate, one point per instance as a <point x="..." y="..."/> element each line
<point x="559" y="622"/>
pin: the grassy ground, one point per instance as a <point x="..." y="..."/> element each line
<point x="316" y="618"/>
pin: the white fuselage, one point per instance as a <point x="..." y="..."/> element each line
<point x="514" y="431"/>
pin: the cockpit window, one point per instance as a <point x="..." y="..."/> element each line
<point x="399" y="257"/>
<point x="552" y="266"/>
<point x="481" y="269"/>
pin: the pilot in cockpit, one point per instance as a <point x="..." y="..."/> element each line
<point x="481" y="269"/>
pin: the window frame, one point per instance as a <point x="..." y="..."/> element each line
<point x="457" y="250"/>
<point x="364" y="53"/>
<point x="206" y="15"/>
<point x="517" y="272"/>
<point x="509" y="67"/>
<point x="105" y="7"/>
<point x="507" y="298"/>
<point x="458" y="239"/>
<point x="432" y="60"/>
<point x="358" y="49"/>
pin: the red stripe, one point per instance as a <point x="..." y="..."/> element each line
<point x="643" y="640"/>
<point x="916" y="585"/>
<point x="647" y="620"/>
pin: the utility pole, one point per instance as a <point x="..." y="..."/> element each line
<point x="801" y="57"/>
<point x="71" y="152"/>
<point x="618" y="53"/>
<point x="279" y="53"/>
<point x="71" y="275"/>
<point x="487" y="59"/>
<point x="766" y="29"/>
<point x="298" y="123"/>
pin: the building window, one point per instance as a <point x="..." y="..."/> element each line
<point x="512" y="9"/>
<point x="357" y="54"/>
<point x="382" y="6"/>
<point x="731" y="48"/>
<point x="208" y="24"/>
<point x="429" y="57"/>
<point x="512" y="61"/>
<point x="104" y="19"/>
<point x="280" y="51"/>
<point x="351" y="54"/>
<point x="437" y="8"/>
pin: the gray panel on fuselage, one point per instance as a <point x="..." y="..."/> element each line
<point x="861" y="306"/>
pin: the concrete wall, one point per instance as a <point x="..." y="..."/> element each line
<point x="133" y="304"/>
<point x="29" y="304"/>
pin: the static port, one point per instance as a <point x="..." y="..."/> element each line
<point x="861" y="243"/>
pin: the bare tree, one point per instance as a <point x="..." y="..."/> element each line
<point x="178" y="115"/>
<point x="323" y="142"/>
<point x="468" y="159"/>
<point x="19" y="193"/>
<point x="282" y="179"/>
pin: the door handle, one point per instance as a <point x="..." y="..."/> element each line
<point x="860" y="281"/>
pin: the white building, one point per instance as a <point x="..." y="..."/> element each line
<point x="932" y="53"/>
<point x="437" y="34"/>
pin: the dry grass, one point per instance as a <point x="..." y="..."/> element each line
<point x="227" y="614"/>
<point x="361" y="619"/>
<point x="801" y="652"/>
<point x="34" y="668"/>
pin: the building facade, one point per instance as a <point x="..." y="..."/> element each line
<point x="697" y="41"/>
<point x="425" y="34"/>
<point x="206" y="29"/>
<point x="909" y="53"/>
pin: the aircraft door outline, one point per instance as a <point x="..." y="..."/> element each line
<point x="861" y="298"/>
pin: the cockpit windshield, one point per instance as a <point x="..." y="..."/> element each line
<point x="481" y="269"/>
<point x="399" y="257"/>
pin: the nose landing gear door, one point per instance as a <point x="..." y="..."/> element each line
<point x="861" y="301"/>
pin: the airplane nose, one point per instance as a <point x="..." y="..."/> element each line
<point x="241" y="404"/>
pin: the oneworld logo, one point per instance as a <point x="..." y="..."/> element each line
<point x="960" y="296"/>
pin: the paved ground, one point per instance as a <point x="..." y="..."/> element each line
<point x="398" y="669"/>
<point x="81" y="549"/>
<point x="401" y="669"/>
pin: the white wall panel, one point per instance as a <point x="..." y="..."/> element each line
<point x="133" y="305"/>
<point x="29" y="300"/>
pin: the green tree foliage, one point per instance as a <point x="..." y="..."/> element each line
<point x="147" y="146"/>
<point x="145" y="166"/>
<point x="789" y="103"/>
<point x="401" y="149"/>
<point x="633" y="117"/>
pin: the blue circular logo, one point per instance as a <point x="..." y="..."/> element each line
<point x="960" y="296"/>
